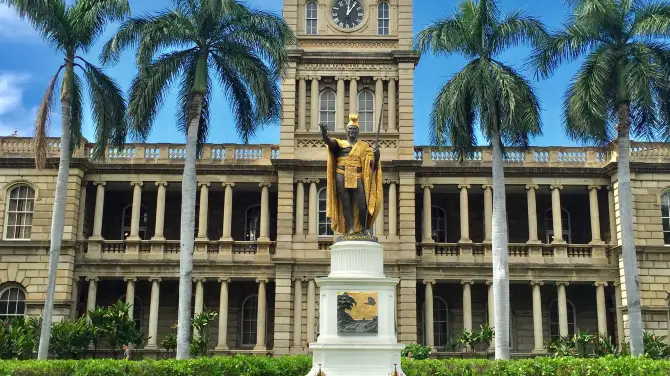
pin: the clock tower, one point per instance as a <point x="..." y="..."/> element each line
<point x="352" y="56"/>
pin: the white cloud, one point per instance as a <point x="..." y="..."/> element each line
<point x="13" y="113"/>
<point x="12" y="26"/>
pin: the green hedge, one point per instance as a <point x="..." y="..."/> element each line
<point x="300" y="365"/>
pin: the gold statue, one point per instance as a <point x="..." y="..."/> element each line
<point x="354" y="181"/>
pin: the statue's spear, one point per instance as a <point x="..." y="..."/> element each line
<point x="374" y="166"/>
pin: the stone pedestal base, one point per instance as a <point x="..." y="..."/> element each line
<point x="357" y="269"/>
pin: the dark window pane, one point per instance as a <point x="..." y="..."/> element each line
<point x="666" y="237"/>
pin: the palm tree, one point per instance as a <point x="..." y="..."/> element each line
<point x="623" y="86"/>
<point x="195" y="41"/>
<point x="72" y="30"/>
<point x="494" y="95"/>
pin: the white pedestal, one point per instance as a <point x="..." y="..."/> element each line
<point x="356" y="266"/>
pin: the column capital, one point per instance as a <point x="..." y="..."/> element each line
<point x="199" y="279"/>
<point x="312" y="181"/>
<point x="261" y="280"/>
<point x="391" y="78"/>
<point x="596" y="187"/>
<point x="424" y="186"/>
<point x="532" y="186"/>
<point x="134" y="183"/>
<point x="92" y="278"/>
<point x="562" y="283"/>
<point x="379" y="78"/>
<point x="390" y="181"/>
<point x="467" y="282"/>
<point x="464" y="186"/>
<point x="128" y="279"/>
<point x="203" y="184"/>
<point x="537" y="283"/>
<point x="489" y="282"/>
<point x="610" y="187"/>
<point x="353" y="78"/>
<point x="556" y="186"/>
<point x="300" y="181"/>
<point x="103" y="183"/>
<point x="157" y="279"/>
<point x="161" y="183"/>
<point x="265" y="185"/>
<point x="600" y="283"/>
<point x="223" y="280"/>
<point x="300" y="77"/>
<point x="340" y="78"/>
<point x="225" y="184"/>
<point x="314" y="77"/>
<point x="487" y="186"/>
<point x="428" y="281"/>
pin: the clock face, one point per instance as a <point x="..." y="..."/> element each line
<point x="347" y="14"/>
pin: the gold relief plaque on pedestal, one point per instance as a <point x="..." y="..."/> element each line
<point x="357" y="312"/>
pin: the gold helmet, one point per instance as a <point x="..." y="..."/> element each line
<point x="353" y="120"/>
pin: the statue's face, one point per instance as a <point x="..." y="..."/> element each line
<point x="352" y="132"/>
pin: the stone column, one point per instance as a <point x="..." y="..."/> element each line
<point x="136" y="208"/>
<point x="393" y="209"/>
<point x="427" y="207"/>
<point x="130" y="294"/>
<point x="74" y="298"/>
<point x="619" y="313"/>
<point x="538" y="333"/>
<point x="265" y="212"/>
<point x="204" y="208"/>
<point x="153" y="313"/>
<point x="299" y="207"/>
<point x="314" y="109"/>
<point x="467" y="305"/>
<point x="488" y="212"/>
<point x="302" y="103"/>
<point x="82" y="211"/>
<point x="392" y="105"/>
<point x="261" y="318"/>
<point x="311" y="311"/>
<point x="532" y="214"/>
<point x="430" y="322"/>
<point x="379" y="221"/>
<point x="160" y="211"/>
<point x="227" y="211"/>
<point x="601" y="308"/>
<point x="99" y="207"/>
<point x="612" y="216"/>
<point x="339" y="105"/>
<point x="556" y="214"/>
<point x="595" y="214"/>
<point x="92" y="293"/>
<point x="313" y="215"/>
<point x="379" y="98"/>
<point x="222" y="343"/>
<point x="199" y="300"/>
<point x="562" y="309"/>
<point x="297" y="313"/>
<point x="353" y="95"/>
<point x="465" y="220"/>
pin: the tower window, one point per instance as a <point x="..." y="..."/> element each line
<point x="311" y="18"/>
<point x="366" y="111"/>
<point x="327" y="109"/>
<point x="383" y="18"/>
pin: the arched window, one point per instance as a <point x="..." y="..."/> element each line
<point x="440" y="322"/>
<point x="366" y="111"/>
<point x="327" y="109"/>
<point x="438" y="218"/>
<point x="12" y="302"/>
<point x="553" y="319"/>
<point x="665" y="216"/>
<point x="549" y="225"/>
<point x="19" y="215"/>
<point x="383" y="18"/>
<point x="127" y="220"/>
<point x="311" y="18"/>
<point x="324" y="221"/>
<point x="252" y="223"/>
<point x="248" y="321"/>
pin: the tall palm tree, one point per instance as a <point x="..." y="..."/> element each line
<point x="72" y="30"/>
<point x="623" y="86"/>
<point x="194" y="41"/>
<point x="491" y="97"/>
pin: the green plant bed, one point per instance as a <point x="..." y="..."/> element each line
<point x="300" y="365"/>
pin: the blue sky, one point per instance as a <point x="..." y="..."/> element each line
<point x="28" y="64"/>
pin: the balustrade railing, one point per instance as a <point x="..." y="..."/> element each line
<point x="515" y="250"/>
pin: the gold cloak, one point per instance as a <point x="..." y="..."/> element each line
<point x="363" y="153"/>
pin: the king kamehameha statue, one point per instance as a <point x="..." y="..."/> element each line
<point x="354" y="182"/>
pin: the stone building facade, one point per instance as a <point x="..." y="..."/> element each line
<point x="262" y="236"/>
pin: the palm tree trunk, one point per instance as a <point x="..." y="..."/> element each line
<point x="628" y="233"/>
<point x="58" y="216"/>
<point x="500" y="255"/>
<point x="188" y="190"/>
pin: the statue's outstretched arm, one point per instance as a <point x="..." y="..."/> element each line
<point x="329" y="141"/>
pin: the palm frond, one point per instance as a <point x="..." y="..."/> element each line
<point x="89" y="18"/>
<point x="516" y="29"/>
<point x="76" y="113"/>
<point x="652" y="20"/>
<point x="148" y="89"/>
<point x="444" y="36"/>
<point x="48" y="18"/>
<point x="108" y="109"/>
<point x="42" y="121"/>
<point x="562" y="47"/>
